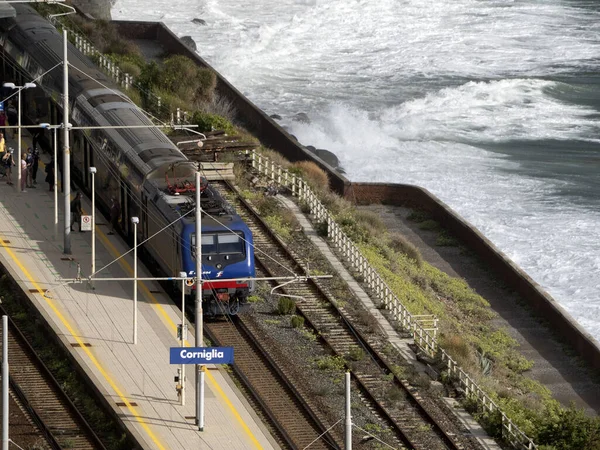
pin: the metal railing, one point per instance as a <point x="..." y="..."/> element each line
<point x="422" y="327"/>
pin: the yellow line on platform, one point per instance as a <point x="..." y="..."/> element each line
<point x="173" y="326"/>
<point x="93" y="359"/>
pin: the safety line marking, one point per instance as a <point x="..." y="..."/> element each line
<point x="92" y="358"/>
<point x="170" y="322"/>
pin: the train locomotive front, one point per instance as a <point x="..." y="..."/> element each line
<point x="227" y="255"/>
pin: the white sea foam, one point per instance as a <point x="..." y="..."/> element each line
<point x="413" y="92"/>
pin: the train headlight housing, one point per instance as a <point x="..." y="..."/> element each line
<point x="219" y="266"/>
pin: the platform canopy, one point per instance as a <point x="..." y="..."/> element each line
<point x="6" y="10"/>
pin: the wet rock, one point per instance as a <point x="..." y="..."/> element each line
<point x="328" y="157"/>
<point x="189" y="42"/>
<point x="199" y="21"/>
<point x="301" y="117"/>
<point x="311" y="148"/>
<point x="275" y="116"/>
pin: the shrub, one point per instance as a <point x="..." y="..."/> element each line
<point x="285" y="306"/>
<point x="297" y="321"/>
<point x="333" y="363"/>
<point x="130" y="68"/>
<point x="207" y="82"/>
<point x="446" y="240"/>
<point x="429" y="225"/>
<point x="399" y="243"/>
<point x="211" y="122"/>
<point x="321" y="228"/>
<point x="457" y="347"/>
<point x="356" y="353"/>
<point x="315" y="176"/>
<point x="370" y="220"/>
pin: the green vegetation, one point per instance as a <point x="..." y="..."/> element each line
<point x="55" y="358"/>
<point x="296" y="321"/>
<point x="286" y="306"/>
<point x="466" y="329"/>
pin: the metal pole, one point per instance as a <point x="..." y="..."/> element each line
<point x="55" y="179"/>
<point x="5" y="375"/>
<point x="93" y="172"/>
<point x="182" y="274"/>
<point x="199" y="312"/>
<point x="66" y="156"/>
<point x="348" y="414"/>
<point x="19" y="141"/>
<point x="135" y="221"/>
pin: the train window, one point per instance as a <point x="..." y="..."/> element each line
<point x="230" y="243"/>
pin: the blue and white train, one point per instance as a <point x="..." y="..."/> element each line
<point x="140" y="167"/>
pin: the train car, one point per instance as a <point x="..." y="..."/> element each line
<point x="138" y="168"/>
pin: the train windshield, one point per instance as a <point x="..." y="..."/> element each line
<point x="219" y="243"/>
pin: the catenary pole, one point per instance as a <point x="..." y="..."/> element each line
<point x="66" y="155"/>
<point x="135" y="221"/>
<point x="183" y="275"/>
<point x="348" y="414"/>
<point x="19" y="174"/>
<point x="93" y="173"/>
<point x="199" y="312"/>
<point x="5" y="375"/>
<point x="55" y="179"/>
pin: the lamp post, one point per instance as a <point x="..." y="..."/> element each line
<point x="14" y="86"/>
<point x="5" y="375"/>
<point x="135" y="221"/>
<point x="93" y="173"/>
<point x="183" y="275"/>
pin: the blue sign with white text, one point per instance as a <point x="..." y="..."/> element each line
<point x="201" y="355"/>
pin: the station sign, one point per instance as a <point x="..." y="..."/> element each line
<point x="201" y="355"/>
<point x="86" y="223"/>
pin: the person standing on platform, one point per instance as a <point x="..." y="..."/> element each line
<point x="8" y="162"/>
<point x="23" y="172"/>
<point x="76" y="211"/>
<point x="34" y="166"/>
<point x="115" y="213"/>
<point x="50" y="175"/>
<point x="2" y="144"/>
<point x="29" y="161"/>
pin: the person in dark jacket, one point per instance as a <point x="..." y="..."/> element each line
<point x="76" y="211"/>
<point x="50" y="175"/>
<point x="35" y="164"/>
<point x="115" y="213"/>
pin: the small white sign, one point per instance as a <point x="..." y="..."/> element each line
<point x="86" y="223"/>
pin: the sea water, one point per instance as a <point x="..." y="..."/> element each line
<point x="491" y="105"/>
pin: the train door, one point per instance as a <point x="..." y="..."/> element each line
<point x="144" y="216"/>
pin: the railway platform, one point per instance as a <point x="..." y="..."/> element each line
<point x="96" y="325"/>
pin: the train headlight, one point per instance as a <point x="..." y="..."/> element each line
<point x="219" y="266"/>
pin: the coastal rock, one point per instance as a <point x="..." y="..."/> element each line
<point x="275" y="116"/>
<point x="301" y="117"/>
<point x="328" y="157"/>
<point x="311" y="148"/>
<point x="189" y="42"/>
<point x="199" y="21"/>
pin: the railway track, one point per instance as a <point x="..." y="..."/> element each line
<point x="293" y="420"/>
<point x="41" y="395"/>
<point x="418" y="424"/>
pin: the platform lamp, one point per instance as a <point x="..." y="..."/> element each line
<point x="135" y="222"/>
<point x="93" y="173"/>
<point x="20" y="88"/>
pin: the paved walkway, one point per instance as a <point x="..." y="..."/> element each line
<point x="96" y="325"/>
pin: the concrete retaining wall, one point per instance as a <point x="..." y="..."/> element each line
<point x="539" y="300"/>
